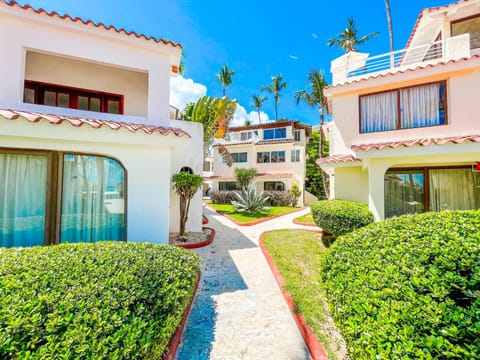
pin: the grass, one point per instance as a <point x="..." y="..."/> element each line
<point x="247" y="216"/>
<point x="307" y="218"/>
<point x="297" y="255"/>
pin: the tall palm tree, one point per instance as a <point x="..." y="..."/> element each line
<point x="314" y="98"/>
<point x="258" y="101"/>
<point x="225" y="77"/>
<point x="348" y="38"/>
<point x="277" y="85"/>
<point x="390" y="33"/>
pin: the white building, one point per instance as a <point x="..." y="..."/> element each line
<point x="275" y="149"/>
<point x="405" y="132"/>
<point x="87" y="149"/>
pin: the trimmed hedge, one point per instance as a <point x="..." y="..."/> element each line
<point x="223" y="196"/>
<point x="339" y="217"/>
<point x="108" y="300"/>
<point x="408" y="287"/>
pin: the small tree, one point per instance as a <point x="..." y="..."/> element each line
<point x="295" y="192"/>
<point x="245" y="176"/>
<point x="186" y="185"/>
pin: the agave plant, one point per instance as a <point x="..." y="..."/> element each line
<point x="249" y="199"/>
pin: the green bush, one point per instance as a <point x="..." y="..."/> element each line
<point x="408" y="287"/>
<point x="278" y="198"/>
<point x="108" y="300"/>
<point x="223" y="196"/>
<point x="339" y="217"/>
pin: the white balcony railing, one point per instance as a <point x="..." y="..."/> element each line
<point x="354" y="65"/>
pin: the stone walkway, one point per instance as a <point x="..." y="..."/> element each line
<point x="239" y="311"/>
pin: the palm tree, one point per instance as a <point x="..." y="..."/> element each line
<point x="215" y="114"/>
<point x="277" y="85"/>
<point x="315" y="97"/>
<point x="348" y="38"/>
<point x="258" y="101"/>
<point x="225" y="77"/>
<point x="390" y="33"/>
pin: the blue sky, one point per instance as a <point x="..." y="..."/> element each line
<point x="257" y="39"/>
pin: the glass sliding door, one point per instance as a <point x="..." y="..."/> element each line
<point x="92" y="199"/>
<point x="23" y="188"/>
<point x="404" y="192"/>
<point x="453" y="189"/>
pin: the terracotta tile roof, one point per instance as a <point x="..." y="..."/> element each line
<point x="261" y="142"/>
<point x="422" y="142"/>
<point x="258" y="176"/>
<point x="335" y="159"/>
<point x="90" y="22"/>
<point x="94" y="123"/>
<point x="420" y="67"/>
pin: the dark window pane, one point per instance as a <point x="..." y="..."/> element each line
<point x="63" y="100"/>
<point x="95" y="104"/>
<point x="83" y="102"/>
<point x="29" y="96"/>
<point x="50" y="98"/>
<point x="268" y="134"/>
<point x="404" y="192"/>
<point x="113" y="106"/>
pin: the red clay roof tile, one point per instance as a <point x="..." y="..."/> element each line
<point x="94" y="123"/>
<point x="335" y="159"/>
<point x="97" y="25"/>
<point x="258" y="176"/>
<point x="421" y="142"/>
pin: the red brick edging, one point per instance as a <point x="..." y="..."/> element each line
<point x="251" y="223"/>
<point x="175" y="340"/>
<point x="316" y="349"/>
<point x="200" y="244"/>
<point x="204" y="220"/>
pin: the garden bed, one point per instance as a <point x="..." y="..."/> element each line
<point x="246" y="218"/>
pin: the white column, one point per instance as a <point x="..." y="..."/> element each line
<point x="376" y="192"/>
<point x="159" y="93"/>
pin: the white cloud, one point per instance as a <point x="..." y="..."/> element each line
<point x="293" y="57"/>
<point x="315" y="36"/>
<point x="240" y="116"/>
<point x="184" y="91"/>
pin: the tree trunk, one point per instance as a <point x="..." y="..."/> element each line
<point x="320" y="154"/>
<point x="183" y="215"/>
<point x="259" y="118"/>
<point x="390" y="33"/>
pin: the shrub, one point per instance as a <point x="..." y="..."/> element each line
<point x="110" y="300"/>
<point x="223" y="196"/>
<point x="340" y="217"/>
<point x="278" y="198"/>
<point x="249" y="199"/>
<point x="245" y="176"/>
<point x="408" y="287"/>
<point x="185" y="185"/>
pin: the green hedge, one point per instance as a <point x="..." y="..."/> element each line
<point x="108" y="300"/>
<point x="339" y="217"/>
<point x="408" y="287"/>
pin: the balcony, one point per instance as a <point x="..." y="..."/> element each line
<point x="355" y="66"/>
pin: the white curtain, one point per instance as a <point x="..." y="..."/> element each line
<point x="379" y="112"/>
<point x="92" y="199"/>
<point x="420" y="106"/>
<point x="404" y="193"/>
<point x="23" y="183"/>
<point x="454" y="189"/>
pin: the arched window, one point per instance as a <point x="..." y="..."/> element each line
<point x="90" y="197"/>
<point x="186" y="169"/>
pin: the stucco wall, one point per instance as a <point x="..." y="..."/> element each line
<point x="145" y="158"/>
<point x="351" y="183"/>
<point x="462" y="107"/>
<point x="133" y="85"/>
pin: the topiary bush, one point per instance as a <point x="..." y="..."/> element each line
<point x="339" y="217"/>
<point x="107" y="300"/>
<point x="408" y="287"/>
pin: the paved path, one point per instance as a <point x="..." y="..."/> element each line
<point x="239" y="311"/>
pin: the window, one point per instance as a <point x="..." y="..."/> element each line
<point x="295" y="155"/>
<point x="470" y="25"/>
<point x="248" y="135"/>
<point x="270" y="134"/>
<point x="240" y="157"/>
<point x="431" y="189"/>
<point x="297" y="135"/>
<point x="91" y="198"/>
<point x="271" y="157"/>
<point x="186" y="169"/>
<point x="273" y="186"/>
<point x="207" y="166"/>
<point x="410" y="107"/>
<point x="227" y="185"/>
<point x="66" y="97"/>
